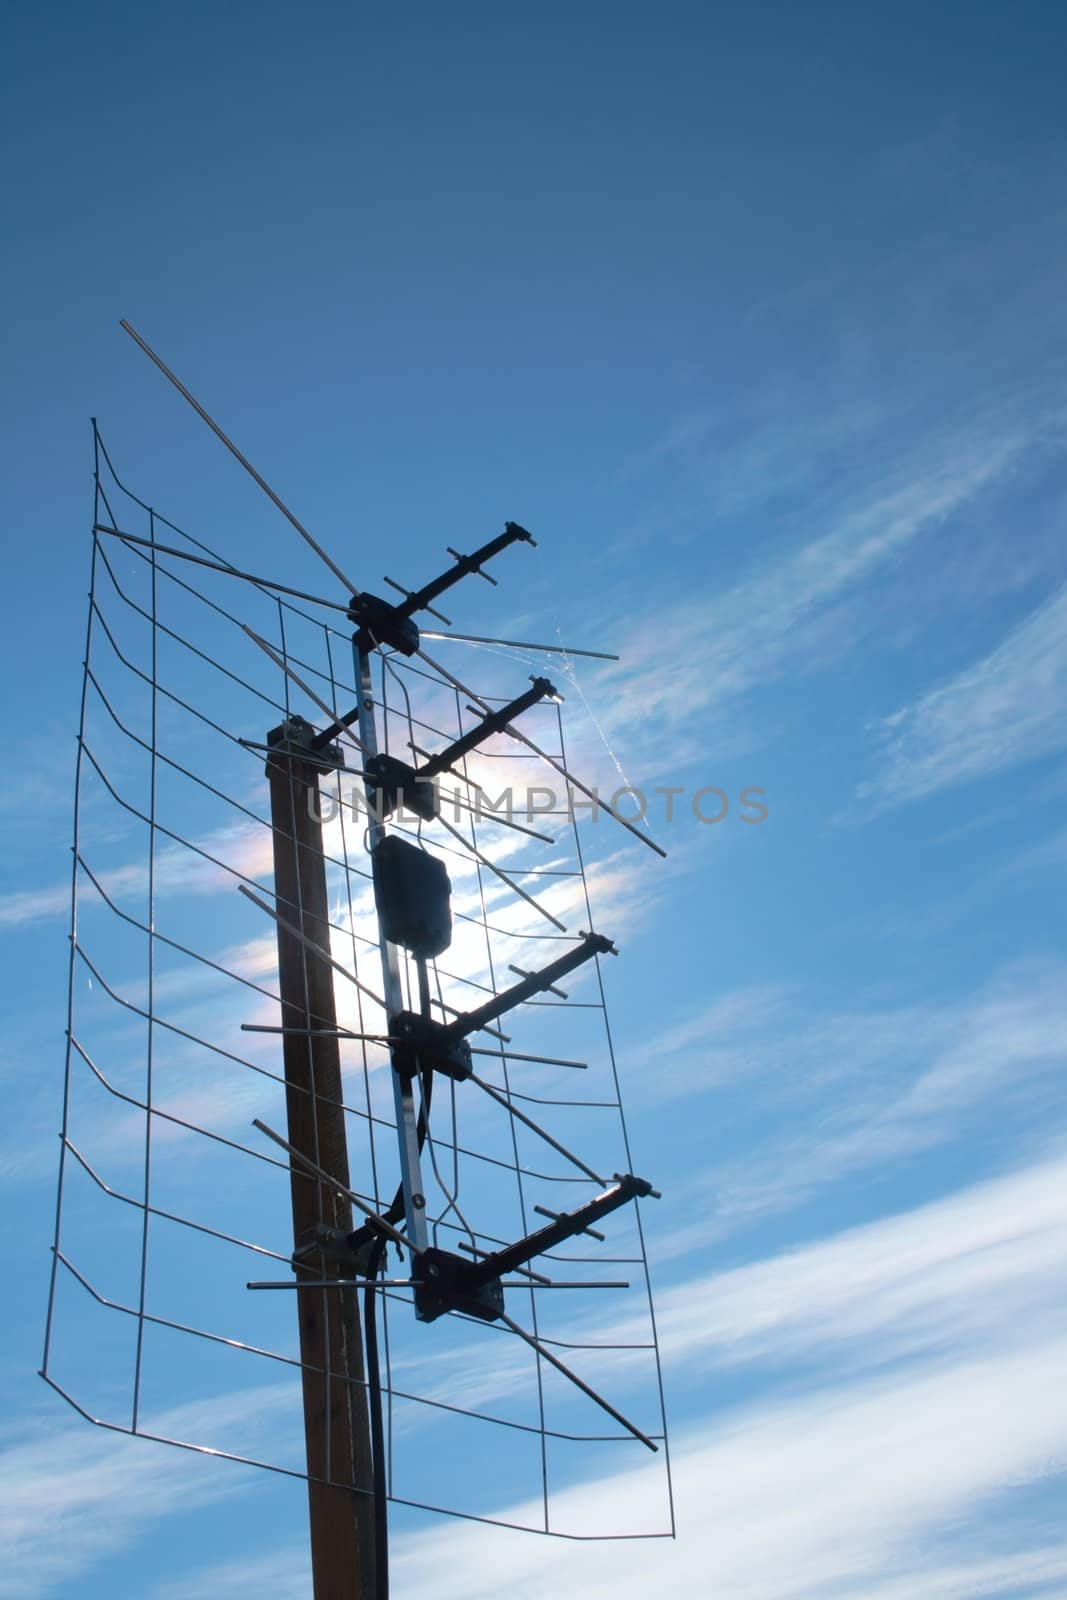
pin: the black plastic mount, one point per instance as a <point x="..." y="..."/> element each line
<point x="444" y="1282"/>
<point x="378" y="622"/>
<point x="392" y="785"/>
<point x="419" y="1044"/>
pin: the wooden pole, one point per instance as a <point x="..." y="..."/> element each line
<point x="336" y="1421"/>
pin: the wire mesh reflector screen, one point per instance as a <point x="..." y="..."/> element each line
<point x="170" y="1202"/>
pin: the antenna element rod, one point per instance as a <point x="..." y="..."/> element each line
<point x="249" y="468"/>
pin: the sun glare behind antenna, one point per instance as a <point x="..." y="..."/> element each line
<point x="338" y="1065"/>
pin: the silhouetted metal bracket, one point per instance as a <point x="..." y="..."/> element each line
<point x="420" y="601"/>
<point x="500" y="1262"/>
<point x="393" y="785"/>
<point x="444" y="1282"/>
<point x="422" y="1044"/>
<point x="352" y="1253"/>
<point x="381" y="622"/>
<point x="493" y="722"/>
<point x="297" y="739"/>
<point x="447" y="1282"/>
<point x="591" y="944"/>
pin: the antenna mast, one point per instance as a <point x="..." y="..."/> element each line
<point x="342" y="1226"/>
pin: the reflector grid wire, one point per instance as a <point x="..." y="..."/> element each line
<point x="167" y="961"/>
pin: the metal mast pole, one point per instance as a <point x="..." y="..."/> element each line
<point x="336" y="1423"/>
<point x="403" y="1089"/>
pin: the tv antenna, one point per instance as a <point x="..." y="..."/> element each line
<point x="165" y="1062"/>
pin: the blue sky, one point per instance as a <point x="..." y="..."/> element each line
<point x="755" y="317"/>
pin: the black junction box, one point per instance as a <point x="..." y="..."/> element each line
<point x="412" y="893"/>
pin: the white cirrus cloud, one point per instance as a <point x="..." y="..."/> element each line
<point x="105" y="1489"/>
<point x="997" y="714"/>
<point x="848" y="1490"/>
<point x="786" y="616"/>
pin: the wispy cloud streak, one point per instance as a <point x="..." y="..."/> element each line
<point x="1001" y="712"/>
<point x="786" y="616"/>
<point x="839" y="1492"/>
<point x="104" y="1490"/>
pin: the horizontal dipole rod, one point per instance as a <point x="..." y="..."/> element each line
<point x="416" y="1283"/>
<point x="314" y="1033"/>
<point x="542" y="1061"/>
<point x="216" y="566"/>
<point x="518" y="644"/>
<point x="336" y="1283"/>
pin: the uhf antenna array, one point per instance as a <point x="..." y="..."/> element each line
<point x="393" y="965"/>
